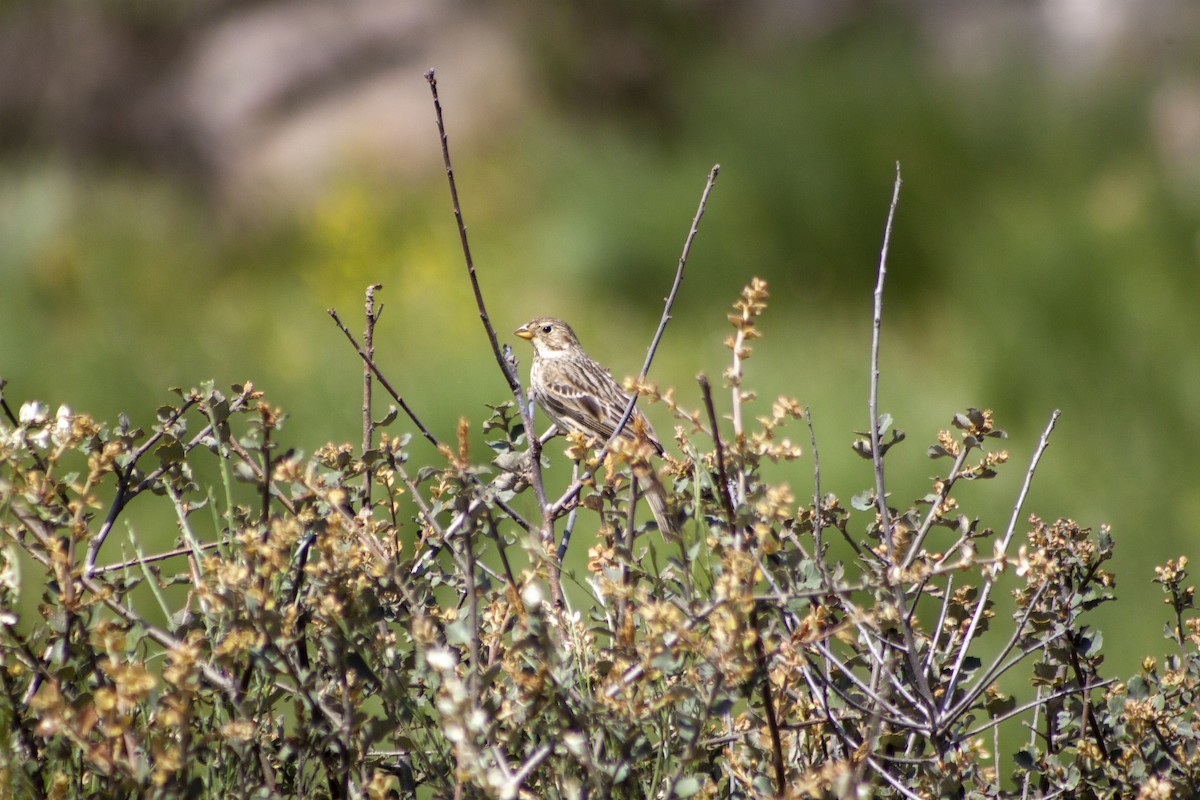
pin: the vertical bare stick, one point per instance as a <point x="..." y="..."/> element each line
<point x="268" y="423"/>
<point x="873" y="402"/>
<point x="683" y="257"/>
<point x="818" y="522"/>
<point x="513" y="383"/>
<point x="706" y="393"/>
<point x="368" y="429"/>
<point x="926" y="694"/>
<point x="370" y="362"/>
<point x="764" y="666"/>
<point x="570" y="526"/>
<point x="668" y="303"/>
<point x="510" y="373"/>
<point x="576" y="485"/>
<point x="1043" y="442"/>
<point x="472" y="611"/>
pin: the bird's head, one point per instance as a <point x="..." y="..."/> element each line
<point x="550" y="337"/>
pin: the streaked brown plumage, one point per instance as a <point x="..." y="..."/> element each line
<point x="579" y="395"/>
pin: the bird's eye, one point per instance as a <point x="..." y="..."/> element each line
<point x="545" y="329"/>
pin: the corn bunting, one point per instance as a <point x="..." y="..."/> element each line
<point x="579" y="395"/>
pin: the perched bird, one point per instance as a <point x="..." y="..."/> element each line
<point x="579" y="395"/>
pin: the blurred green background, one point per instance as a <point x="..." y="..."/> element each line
<point x="188" y="186"/>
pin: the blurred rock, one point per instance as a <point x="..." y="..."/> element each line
<point x="263" y="102"/>
<point x="278" y="99"/>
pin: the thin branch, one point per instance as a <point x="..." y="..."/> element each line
<point x="726" y="501"/>
<point x="371" y="316"/>
<point x="264" y="415"/>
<point x="768" y="703"/>
<point x="182" y="551"/>
<point x="877" y="453"/>
<point x="873" y="402"/>
<point x="1002" y="547"/>
<point x="822" y="689"/>
<point x="818" y="523"/>
<point x="683" y="257"/>
<point x="518" y="777"/>
<point x="503" y="356"/>
<point x="476" y="667"/>
<point x="1037" y="702"/>
<point x="927" y="524"/>
<point x="509" y="373"/>
<point x="125" y="493"/>
<point x="370" y="362"/>
<point x="576" y="485"/>
<point x="879" y="703"/>
<point x="937" y="628"/>
<point x="997" y="666"/>
<point x="1043" y="442"/>
<point x="883" y="772"/>
<point x="668" y="303"/>
<point x="1037" y="710"/>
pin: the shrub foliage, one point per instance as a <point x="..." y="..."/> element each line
<point x="390" y="621"/>
<point x="397" y="619"/>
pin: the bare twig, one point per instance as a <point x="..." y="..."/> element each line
<point x="570" y="526"/>
<point x="507" y="367"/>
<point x="1001" y="549"/>
<point x="573" y="490"/>
<point x="877" y="453"/>
<point x="182" y="551"/>
<point x="268" y="423"/>
<point x="998" y="667"/>
<point x="879" y="703"/>
<point x="726" y="501"/>
<point x="884" y="773"/>
<point x="126" y="492"/>
<point x="509" y="373"/>
<point x="370" y="362"/>
<point x="476" y="667"/>
<point x="934" y="509"/>
<point x="764" y="667"/>
<point x="873" y="402"/>
<point x="371" y="316"/>
<point x="683" y="257"/>
<point x="818" y="520"/>
<point x="1043" y="442"/>
<point x="1037" y="703"/>
<point x="537" y="757"/>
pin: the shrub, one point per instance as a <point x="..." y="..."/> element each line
<point x="322" y="650"/>
<point x="389" y="620"/>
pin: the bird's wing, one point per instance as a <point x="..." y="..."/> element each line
<point x="579" y="409"/>
<point x="595" y="406"/>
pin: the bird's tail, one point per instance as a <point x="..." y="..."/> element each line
<point x="656" y="498"/>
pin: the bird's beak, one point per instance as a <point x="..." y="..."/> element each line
<point x="524" y="332"/>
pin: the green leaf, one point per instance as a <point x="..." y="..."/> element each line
<point x="388" y="418"/>
<point x="459" y="631"/>
<point x="170" y="451"/>
<point x="863" y="501"/>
